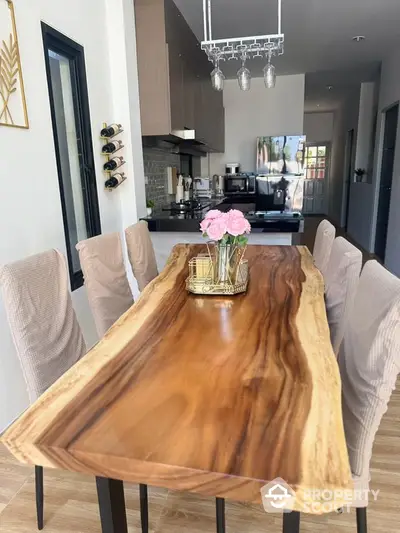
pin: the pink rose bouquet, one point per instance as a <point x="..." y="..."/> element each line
<point x="227" y="228"/>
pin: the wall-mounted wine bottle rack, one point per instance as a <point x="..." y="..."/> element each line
<point x="109" y="156"/>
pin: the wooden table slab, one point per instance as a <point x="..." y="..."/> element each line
<point x="215" y="395"/>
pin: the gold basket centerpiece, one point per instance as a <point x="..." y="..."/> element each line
<point x="223" y="270"/>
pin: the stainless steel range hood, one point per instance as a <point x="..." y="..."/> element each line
<point x="178" y="141"/>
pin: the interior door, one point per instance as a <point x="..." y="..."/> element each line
<point x="385" y="190"/>
<point x="316" y="174"/>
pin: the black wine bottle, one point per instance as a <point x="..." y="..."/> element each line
<point x="111" y="130"/>
<point x="114" y="163"/>
<point x="114" y="181"/>
<point x="112" y="147"/>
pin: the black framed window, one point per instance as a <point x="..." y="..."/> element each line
<point x="69" y="103"/>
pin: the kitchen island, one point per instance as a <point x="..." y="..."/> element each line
<point x="168" y="228"/>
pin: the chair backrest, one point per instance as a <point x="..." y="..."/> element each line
<point x="141" y="253"/>
<point x="43" y="323"/>
<point x="323" y="245"/>
<point x="341" y="282"/>
<point x="369" y="362"/>
<point x="107" y="286"/>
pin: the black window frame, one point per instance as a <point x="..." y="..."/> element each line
<point x="59" y="43"/>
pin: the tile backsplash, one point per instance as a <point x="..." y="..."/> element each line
<point x="156" y="162"/>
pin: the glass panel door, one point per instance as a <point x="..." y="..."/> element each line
<point x="316" y="173"/>
<point x="67" y="137"/>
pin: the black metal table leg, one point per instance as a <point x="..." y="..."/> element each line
<point x="110" y="493"/>
<point x="39" y="495"/>
<point x="220" y="507"/>
<point x="361" y="519"/>
<point x="291" y="522"/>
<point x="144" y="508"/>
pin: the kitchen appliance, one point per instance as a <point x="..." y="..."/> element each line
<point x="279" y="193"/>
<point x="202" y="187"/>
<point x="242" y="184"/>
<point x="232" y="168"/>
<point x="219" y="185"/>
<point x="281" y="155"/>
<point x="187" y="184"/>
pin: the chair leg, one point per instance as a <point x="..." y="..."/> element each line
<point x="39" y="495"/>
<point x="361" y="519"/>
<point x="144" y="508"/>
<point x="220" y="509"/>
<point x="291" y="522"/>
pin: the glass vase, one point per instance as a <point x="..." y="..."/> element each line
<point x="226" y="263"/>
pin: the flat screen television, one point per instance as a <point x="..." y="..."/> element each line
<point x="281" y="155"/>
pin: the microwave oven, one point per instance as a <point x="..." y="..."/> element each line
<point x="241" y="184"/>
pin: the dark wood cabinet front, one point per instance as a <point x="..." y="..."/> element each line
<point x="174" y="76"/>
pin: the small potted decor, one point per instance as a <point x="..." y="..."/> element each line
<point x="228" y="231"/>
<point x="150" y="207"/>
<point x="360" y="173"/>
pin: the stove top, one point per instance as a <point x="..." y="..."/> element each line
<point x="186" y="207"/>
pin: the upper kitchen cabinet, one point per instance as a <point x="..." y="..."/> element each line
<point x="174" y="77"/>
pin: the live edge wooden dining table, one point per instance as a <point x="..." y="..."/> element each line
<point x="217" y="395"/>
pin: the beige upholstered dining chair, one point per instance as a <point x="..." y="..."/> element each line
<point x="326" y="233"/>
<point x="141" y="253"/>
<point x="44" y="327"/>
<point x="369" y="363"/>
<point x="106" y="283"/>
<point x="341" y="282"/>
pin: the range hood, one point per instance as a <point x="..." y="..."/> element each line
<point x="178" y="141"/>
<point x="185" y="135"/>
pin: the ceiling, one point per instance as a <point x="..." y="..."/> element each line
<point x="318" y="38"/>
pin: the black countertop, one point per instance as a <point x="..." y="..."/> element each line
<point x="271" y="222"/>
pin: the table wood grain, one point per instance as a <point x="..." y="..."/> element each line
<point x="215" y="395"/>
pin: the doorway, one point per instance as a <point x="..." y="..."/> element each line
<point x="316" y="175"/>
<point x="386" y="179"/>
<point x="349" y="171"/>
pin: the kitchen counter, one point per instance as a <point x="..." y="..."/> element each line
<point x="169" y="229"/>
<point x="287" y="222"/>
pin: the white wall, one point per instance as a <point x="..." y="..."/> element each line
<point x="345" y="119"/>
<point x="361" y="194"/>
<point x="258" y="112"/>
<point x="366" y="119"/>
<point x="30" y="209"/>
<point x="318" y="127"/>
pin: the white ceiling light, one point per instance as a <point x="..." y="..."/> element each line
<point x="241" y="49"/>
<point x="359" y="38"/>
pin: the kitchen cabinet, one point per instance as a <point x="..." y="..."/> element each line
<point x="174" y="77"/>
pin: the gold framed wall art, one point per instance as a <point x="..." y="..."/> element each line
<point x="13" y="111"/>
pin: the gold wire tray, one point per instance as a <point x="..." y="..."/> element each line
<point x="201" y="278"/>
